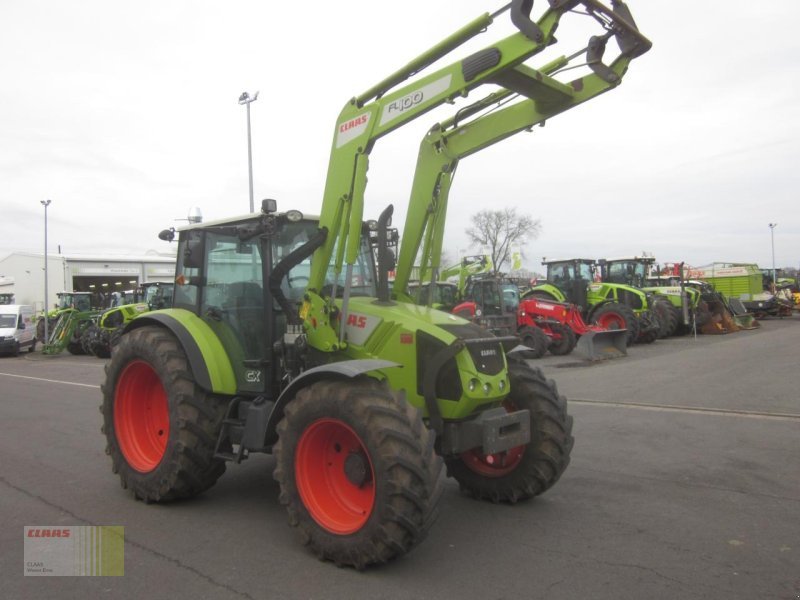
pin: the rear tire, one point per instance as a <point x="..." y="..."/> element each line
<point x="161" y="428"/>
<point x="615" y="315"/>
<point x="535" y="340"/>
<point x="527" y="471"/>
<point x="358" y="472"/>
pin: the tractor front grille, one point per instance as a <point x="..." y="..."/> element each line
<point x="488" y="355"/>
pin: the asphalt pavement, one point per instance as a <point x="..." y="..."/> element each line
<point x="684" y="484"/>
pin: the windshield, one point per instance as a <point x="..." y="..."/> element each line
<point x="233" y="268"/>
<point x="628" y="272"/>
<point x="511" y="296"/>
<point x="8" y="321"/>
<point x="562" y="272"/>
<point x="158" y="296"/>
<point x="443" y="293"/>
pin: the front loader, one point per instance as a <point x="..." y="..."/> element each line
<point x="284" y="339"/>
<point x="67" y="323"/>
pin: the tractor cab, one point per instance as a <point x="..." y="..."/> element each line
<point x="490" y="302"/>
<point x="246" y="278"/>
<point x="633" y="271"/>
<point x="444" y="296"/>
<point x="6" y="298"/>
<point x="80" y="301"/>
<point x="157" y="294"/>
<point x="571" y="277"/>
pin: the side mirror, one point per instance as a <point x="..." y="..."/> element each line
<point x="167" y="234"/>
<point x="194" y="251"/>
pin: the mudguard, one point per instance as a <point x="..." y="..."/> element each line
<point x="210" y="364"/>
<point x="547" y="288"/>
<point x="346" y="369"/>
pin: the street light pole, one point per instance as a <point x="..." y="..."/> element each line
<point x="772" y="227"/>
<point x="247" y="100"/>
<point x="45" y="203"/>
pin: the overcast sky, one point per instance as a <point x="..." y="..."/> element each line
<point x="125" y="114"/>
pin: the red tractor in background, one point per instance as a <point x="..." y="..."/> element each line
<point x="542" y="325"/>
<point x="566" y="329"/>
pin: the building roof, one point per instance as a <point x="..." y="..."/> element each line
<point x="106" y="258"/>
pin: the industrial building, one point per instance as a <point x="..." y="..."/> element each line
<point x="23" y="274"/>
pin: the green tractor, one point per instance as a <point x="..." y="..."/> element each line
<point x="284" y="338"/>
<point x="67" y="323"/>
<point x="608" y="305"/>
<point x="99" y="337"/>
<point x="680" y="308"/>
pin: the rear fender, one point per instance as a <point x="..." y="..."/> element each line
<point x="211" y="367"/>
<point x="546" y="288"/>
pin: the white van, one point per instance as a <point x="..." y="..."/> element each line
<point x="17" y="328"/>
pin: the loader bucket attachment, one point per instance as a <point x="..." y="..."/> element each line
<point x="722" y="320"/>
<point x="742" y="318"/>
<point x="603" y="345"/>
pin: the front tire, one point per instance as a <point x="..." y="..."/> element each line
<point x="526" y="471"/>
<point x="566" y="341"/>
<point x="358" y="472"/>
<point x="161" y="428"/>
<point x="615" y="315"/>
<point x="535" y="340"/>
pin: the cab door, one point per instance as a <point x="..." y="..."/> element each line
<point x="232" y="303"/>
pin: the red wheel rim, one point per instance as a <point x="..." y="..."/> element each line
<point x="339" y="495"/>
<point x="141" y="416"/>
<point x="611" y="321"/>
<point x="497" y="464"/>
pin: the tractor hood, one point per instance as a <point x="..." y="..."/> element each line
<point x="366" y="317"/>
<point x="465" y="363"/>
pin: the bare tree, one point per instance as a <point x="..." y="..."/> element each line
<point x="499" y="230"/>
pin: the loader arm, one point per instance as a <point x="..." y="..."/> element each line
<point x="448" y="142"/>
<point x="385" y="107"/>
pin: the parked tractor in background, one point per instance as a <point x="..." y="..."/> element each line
<point x="542" y="325"/>
<point x="491" y="302"/>
<point x="67" y="323"/>
<point x="446" y="295"/>
<point x="607" y="305"/>
<point x="99" y="337"/>
<point x="563" y="324"/>
<point x="284" y="339"/>
<point x="635" y="271"/>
